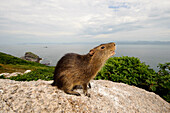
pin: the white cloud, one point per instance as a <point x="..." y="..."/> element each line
<point x="83" y="19"/>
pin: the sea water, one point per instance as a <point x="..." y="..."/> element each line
<point x="150" y="54"/>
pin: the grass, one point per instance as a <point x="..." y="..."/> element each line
<point x="9" y="68"/>
<point x="10" y="64"/>
<point x="9" y="59"/>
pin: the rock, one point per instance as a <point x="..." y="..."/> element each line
<point x="27" y="71"/>
<point x="31" y="57"/>
<point x="45" y="62"/>
<point x="15" y="74"/>
<point x="7" y="75"/>
<point x="106" y="97"/>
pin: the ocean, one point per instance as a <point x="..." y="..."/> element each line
<point x="150" y="54"/>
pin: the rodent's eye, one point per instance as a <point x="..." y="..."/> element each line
<point x="102" y="47"/>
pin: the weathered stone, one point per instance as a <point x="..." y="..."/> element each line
<point x="15" y="74"/>
<point x="106" y="97"/>
<point x="27" y="71"/>
<point x="7" y="75"/>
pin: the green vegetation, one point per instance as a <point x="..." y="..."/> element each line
<point x="131" y="71"/>
<point x="128" y="70"/>
<point x="124" y="69"/>
<point x="31" y="54"/>
<point x="163" y="81"/>
<point x="2" y="77"/>
<point x="9" y="64"/>
<point x="9" y="59"/>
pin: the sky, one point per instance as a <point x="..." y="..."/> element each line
<point x="58" y="21"/>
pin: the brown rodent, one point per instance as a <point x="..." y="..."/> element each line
<point x="74" y="69"/>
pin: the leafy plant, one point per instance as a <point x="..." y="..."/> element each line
<point x="2" y="77"/>
<point x="128" y="70"/>
<point x="164" y="69"/>
<point x="163" y="81"/>
<point x="1" y="67"/>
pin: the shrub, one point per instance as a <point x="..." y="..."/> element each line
<point x="128" y="70"/>
<point x="1" y="67"/>
<point x="164" y="69"/>
<point x="163" y="81"/>
<point x="2" y="77"/>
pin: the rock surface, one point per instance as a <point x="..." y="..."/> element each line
<point x="106" y="97"/>
<point x="7" y="75"/>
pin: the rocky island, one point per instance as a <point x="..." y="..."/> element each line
<point x="31" y="57"/>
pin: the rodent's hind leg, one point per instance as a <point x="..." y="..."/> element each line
<point x="68" y="91"/>
<point x="85" y="90"/>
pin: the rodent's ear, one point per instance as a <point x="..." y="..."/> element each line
<point x="91" y="52"/>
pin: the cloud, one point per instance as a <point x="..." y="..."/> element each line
<point x="56" y="20"/>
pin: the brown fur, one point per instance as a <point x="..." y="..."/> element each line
<point x="74" y="69"/>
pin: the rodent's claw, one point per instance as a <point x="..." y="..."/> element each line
<point x="77" y="94"/>
<point x="87" y="94"/>
<point x="89" y="85"/>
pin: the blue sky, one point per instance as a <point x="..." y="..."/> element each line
<point x="55" y="21"/>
